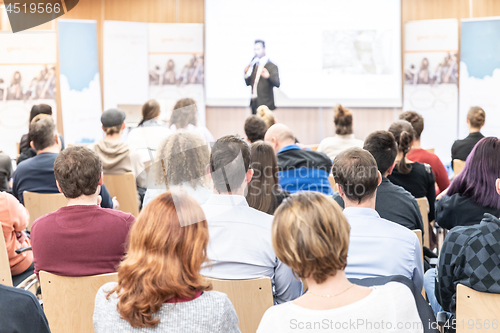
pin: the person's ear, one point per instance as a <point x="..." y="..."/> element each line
<point x="389" y="171"/>
<point x="32" y="145"/>
<point x="379" y="178"/>
<point x="497" y="185"/>
<point x="207" y="170"/>
<point x="249" y="175"/>
<point x="123" y="126"/>
<point x="58" y="140"/>
<point x="341" y="192"/>
<point x="103" y="128"/>
<point x="58" y="187"/>
<point x="101" y="179"/>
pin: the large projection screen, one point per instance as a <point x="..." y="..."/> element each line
<point x="327" y="51"/>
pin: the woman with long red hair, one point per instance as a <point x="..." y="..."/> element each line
<point x="160" y="287"/>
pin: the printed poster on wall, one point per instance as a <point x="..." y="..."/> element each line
<point x="431" y="76"/>
<point x="176" y="66"/>
<point x="80" y="82"/>
<point x="27" y="77"/>
<point x="480" y="72"/>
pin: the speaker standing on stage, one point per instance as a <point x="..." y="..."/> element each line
<point x="262" y="75"/>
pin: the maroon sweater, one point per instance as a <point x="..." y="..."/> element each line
<point x="80" y="240"/>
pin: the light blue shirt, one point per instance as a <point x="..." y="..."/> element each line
<point x="240" y="246"/>
<point x="379" y="247"/>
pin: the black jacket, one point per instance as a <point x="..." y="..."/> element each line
<point x="462" y="148"/>
<point x="265" y="95"/>
<point x="457" y="210"/>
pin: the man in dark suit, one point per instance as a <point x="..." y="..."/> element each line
<point x="262" y="75"/>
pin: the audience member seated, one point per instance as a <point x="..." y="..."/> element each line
<point x="255" y="128"/>
<point x="37" y="173"/>
<point x="82" y="238"/>
<point x="417" y="178"/>
<point x="5" y="172"/>
<point x="116" y="156"/>
<point x="393" y="202"/>
<point x="148" y="135"/>
<point x="185" y="118"/>
<point x="181" y="162"/>
<point x="21" y="312"/>
<point x="300" y="170"/>
<point x="25" y="150"/>
<point x="14" y="219"/>
<point x="240" y="237"/>
<point x="266" y="115"/>
<point x="470" y="256"/>
<point x="264" y="192"/>
<point x="471" y="193"/>
<point x="344" y="137"/>
<point x="476" y="118"/>
<point x="374" y="240"/>
<point x="418" y="154"/>
<point x="311" y="235"/>
<point x="160" y="288"/>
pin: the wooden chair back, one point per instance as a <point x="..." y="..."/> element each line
<point x="419" y="235"/>
<point x="423" y="204"/>
<point x="430" y="150"/>
<point x="5" y="275"/>
<point x="332" y="183"/>
<point x="250" y="298"/>
<point x="123" y="187"/>
<point x="39" y="204"/>
<point x="68" y="302"/>
<point x="313" y="147"/>
<point x="458" y="166"/>
<point x="477" y="312"/>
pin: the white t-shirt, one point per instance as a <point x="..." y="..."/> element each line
<point x="388" y="308"/>
<point x="332" y="146"/>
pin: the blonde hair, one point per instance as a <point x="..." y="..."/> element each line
<point x="310" y="235"/>
<point x="182" y="158"/>
<point x="266" y="115"/>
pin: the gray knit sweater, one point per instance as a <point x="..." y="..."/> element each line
<point x="212" y="312"/>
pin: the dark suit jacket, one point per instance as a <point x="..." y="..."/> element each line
<point x="265" y="94"/>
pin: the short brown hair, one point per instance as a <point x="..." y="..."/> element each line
<point x="476" y="116"/>
<point x="42" y="131"/>
<point x="311" y="235"/>
<point x="77" y="170"/>
<point x="255" y="128"/>
<point x="342" y="120"/>
<point x="416" y="120"/>
<point x="356" y="172"/>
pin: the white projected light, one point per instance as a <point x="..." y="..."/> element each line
<point x="327" y="51"/>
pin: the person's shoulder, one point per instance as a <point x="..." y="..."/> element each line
<point x="115" y="214"/>
<point x="396" y="230"/>
<point x="17" y="297"/>
<point x="395" y="291"/>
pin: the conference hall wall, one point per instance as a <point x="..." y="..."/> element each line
<point x="308" y="123"/>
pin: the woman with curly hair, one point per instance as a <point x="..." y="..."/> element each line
<point x="160" y="288"/>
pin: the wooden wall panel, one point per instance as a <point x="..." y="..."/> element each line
<point x="155" y="11"/>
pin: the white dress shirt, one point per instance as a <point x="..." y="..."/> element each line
<point x="240" y="246"/>
<point x="378" y="247"/>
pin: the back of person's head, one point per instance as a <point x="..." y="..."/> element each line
<point x="476" y="117"/>
<point x="404" y="134"/>
<point x="311" y="235"/>
<point x="382" y="146"/>
<point x="184" y="113"/>
<point x="150" y="110"/>
<point x="182" y="158"/>
<point x="266" y="115"/>
<point x="356" y="173"/>
<point x="342" y="120"/>
<point x="42" y="131"/>
<point x="229" y="163"/>
<point x="279" y="135"/>
<point x="263" y="187"/>
<point x="477" y="179"/>
<point x="255" y="128"/>
<point x="164" y="258"/>
<point x="40" y="109"/>
<point x="416" y="121"/>
<point x="78" y="171"/>
<point x="113" y="121"/>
